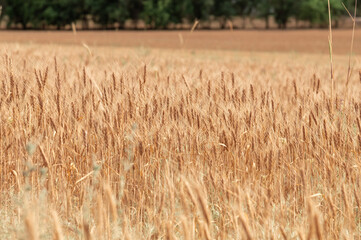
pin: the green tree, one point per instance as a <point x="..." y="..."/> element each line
<point x="337" y="10"/>
<point x="313" y="11"/>
<point x="244" y="8"/>
<point x="3" y="4"/>
<point x="107" y="12"/>
<point x="157" y="13"/>
<point x="19" y="12"/>
<point x="264" y="10"/>
<point x="316" y="11"/>
<point x="134" y="9"/>
<point x="198" y="9"/>
<point x="224" y="10"/>
<point x="41" y="12"/>
<point x="82" y="10"/>
<point x="283" y="10"/>
<point x="57" y="12"/>
<point x="178" y="10"/>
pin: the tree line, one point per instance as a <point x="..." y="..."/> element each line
<point x="158" y="14"/>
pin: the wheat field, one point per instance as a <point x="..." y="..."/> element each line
<point x="139" y="143"/>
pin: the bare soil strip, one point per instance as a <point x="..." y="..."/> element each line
<point x="309" y="41"/>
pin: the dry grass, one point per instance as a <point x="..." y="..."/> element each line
<point x="150" y="144"/>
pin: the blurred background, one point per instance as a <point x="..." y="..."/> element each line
<point x="173" y="14"/>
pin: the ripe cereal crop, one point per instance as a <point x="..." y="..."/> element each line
<point x="105" y="142"/>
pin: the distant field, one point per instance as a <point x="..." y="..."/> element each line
<point x="310" y="41"/>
